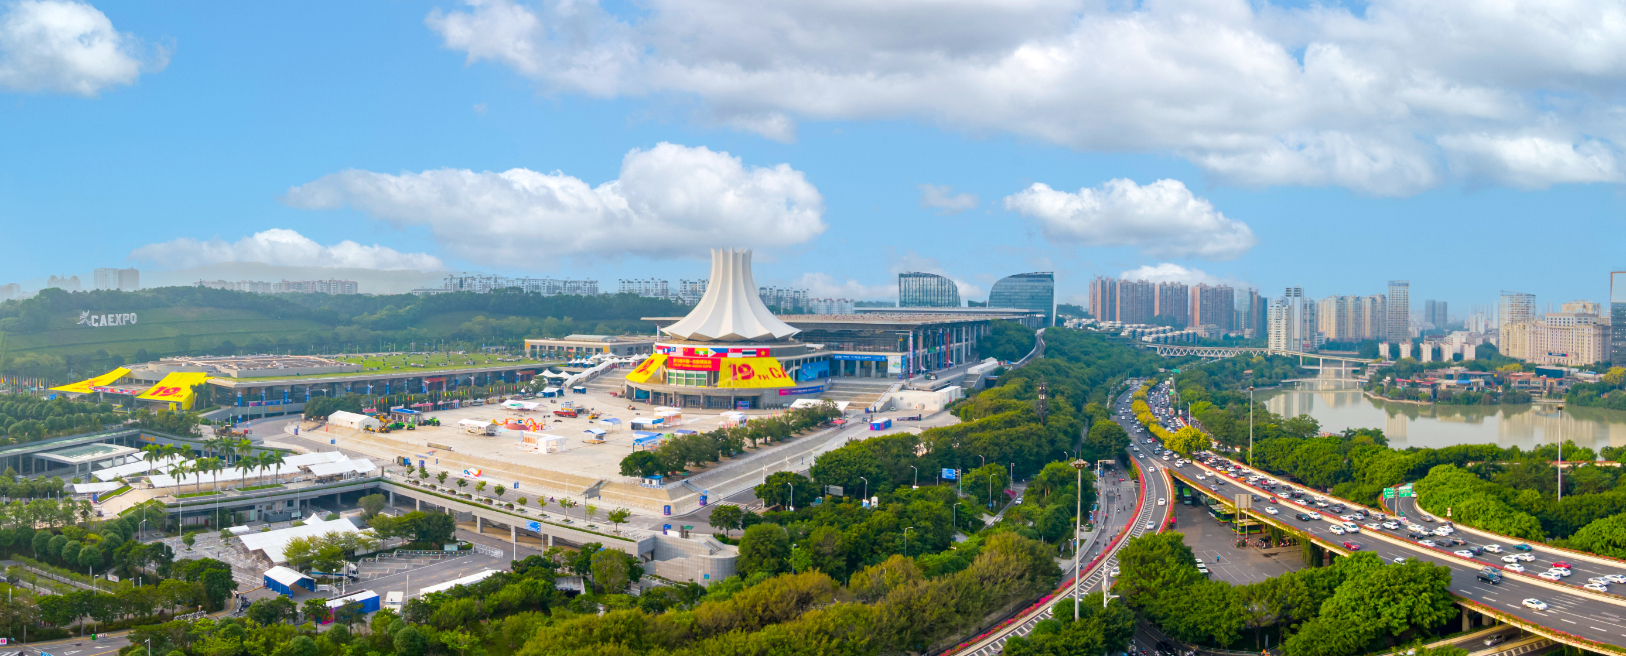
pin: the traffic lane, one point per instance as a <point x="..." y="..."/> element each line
<point x="1465" y="581"/>
<point x="1582" y="569"/>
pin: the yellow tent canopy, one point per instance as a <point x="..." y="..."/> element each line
<point x="175" y="388"/>
<point x="83" y="386"/>
<point x="646" y="369"/>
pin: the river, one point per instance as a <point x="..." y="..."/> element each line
<point x="1340" y="405"/>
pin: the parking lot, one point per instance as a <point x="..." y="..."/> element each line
<point x="1212" y="542"/>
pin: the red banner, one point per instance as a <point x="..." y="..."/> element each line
<point x="692" y="364"/>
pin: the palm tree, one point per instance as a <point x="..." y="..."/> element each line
<point x="153" y="453"/>
<point x="252" y="462"/>
<point x="274" y="459"/>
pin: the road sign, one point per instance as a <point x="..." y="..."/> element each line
<point x="833" y="490"/>
<point x="1388" y="493"/>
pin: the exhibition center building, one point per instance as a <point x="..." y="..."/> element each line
<point x="731" y="352"/>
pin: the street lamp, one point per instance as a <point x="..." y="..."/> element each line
<point x="866" y="488"/>
<point x="792" y="496"/>
<point x="1250" y="425"/>
<point x="917" y="476"/>
<point x="1078" y="546"/>
<point x="906" y="541"/>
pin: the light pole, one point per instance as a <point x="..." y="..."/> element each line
<point x="1250" y="425"/>
<point x="906" y="541"/>
<point x="1078" y="526"/>
<point x="1560" y="469"/>
<point x="792" y="496"/>
<point x="866" y="489"/>
<point x="916" y="484"/>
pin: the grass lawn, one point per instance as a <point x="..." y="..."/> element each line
<point x="189" y="495"/>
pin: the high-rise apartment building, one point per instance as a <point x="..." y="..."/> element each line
<point x="1137" y="301"/>
<point x="1339" y="318"/>
<point x="314" y="287"/>
<point x="10" y="291"/>
<point x="1293" y="322"/>
<point x="1104" y="298"/>
<point x="829" y="306"/>
<point x="1277" y="317"/>
<point x="127" y="280"/>
<point x="1213" y="305"/>
<point x="485" y="284"/>
<point x="1174" y="301"/>
<point x="916" y="289"/>
<point x="691" y="291"/>
<point x="1399" y="324"/>
<point x="785" y="299"/>
<point x="64" y="283"/>
<point x="651" y="287"/>
<point x="1574" y="337"/>
<point x="1253" y="313"/>
<point x="1374" y="317"/>
<point x="1617" y="318"/>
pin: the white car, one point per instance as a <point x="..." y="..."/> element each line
<point x="1400" y="560"/>
<point x="1510" y="559"/>
<point x="1525" y="557"/>
<point x="1426" y="543"/>
<point x="1113" y="573"/>
<point x="1336" y="529"/>
<point x="1373" y="525"/>
<point x="1536" y="604"/>
<point x="1598" y="580"/>
<point x="1150" y="526"/>
<point x="1271" y="509"/>
<point x="1391" y="525"/>
<point x="1464" y="553"/>
<point x="1160" y="502"/>
<point x="1597" y="587"/>
<point x="1441" y="532"/>
<point x="1560" y="571"/>
<point x="1351" y="527"/>
<point x="1616" y="578"/>
<point x="1549" y="576"/>
<point x="1493" y="548"/>
<point x="1201" y="477"/>
<point x="1515" y="567"/>
<point x="1415" y="528"/>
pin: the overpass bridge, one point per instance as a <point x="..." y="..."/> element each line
<point x="1337" y="363"/>
<point x="1575" y="617"/>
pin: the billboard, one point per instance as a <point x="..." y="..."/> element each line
<point x="753" y="372"/>
<point x="85" y="386"/>
<point x="175" y="388"/>
<point x="857" y="357"/>
<point x="686" y="363"/>
<point x="646" y="369"/>
<point x="894" y="364"/>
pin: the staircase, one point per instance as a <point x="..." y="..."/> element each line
<point x="592" y="490"/>
<point x="859" y="392"/>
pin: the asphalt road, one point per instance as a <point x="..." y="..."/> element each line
<point x="1575" y="614"/>
<point x="1545" y="556"/>
<point x="1118" y="502"/>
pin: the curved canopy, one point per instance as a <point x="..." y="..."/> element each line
<point x="731" y="310"/>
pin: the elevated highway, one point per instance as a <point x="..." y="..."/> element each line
<point x="1337" y="362"/>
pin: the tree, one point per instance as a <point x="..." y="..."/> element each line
<point x="641" y="463"/>
<point x="301" y="645"/>
<point x="409" y="642"/>
<point x="90" y="556"/>
<point x="764" y="548"/>
<point x="1105" y="440"/>
<point x="610" y="570"/>
<point x="440" y="478"/>
<point x="314" y="609"/>
<point x="725" y="517"/>
<point x="777" y="491"/>
<point x="1189" y="440"/>
<point x="847" y="467"/>
<point x="499" y="491"/>
<point x="271" y="611"/>
<point x="372" y="504"/>
<point x="618" y="517"/>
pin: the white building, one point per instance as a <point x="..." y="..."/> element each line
<point x="1399" y="326"/>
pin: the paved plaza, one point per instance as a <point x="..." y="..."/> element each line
<point x="1213" y="542"/>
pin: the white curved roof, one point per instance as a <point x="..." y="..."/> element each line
<point x="731" y="310"/>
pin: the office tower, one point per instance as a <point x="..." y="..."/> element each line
<point x="1027" y="291"/>
<point x="1399" y="325"/>
<point x="1137" y="301"/>
<point x="1213" y="305"/>
<point x="1174" y="301"/>
<point x="1254" y="319"/>
<point x="1514" y="308"/>
<point x="1434" y="315"/>
<point x="1104" y="298"/>
<point x="917" y="289"/>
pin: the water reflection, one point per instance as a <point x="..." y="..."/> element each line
<point x="1340" y="405"/>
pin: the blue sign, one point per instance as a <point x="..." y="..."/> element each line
<point x="666" y="510"/>
<point x="535" y="526"/>
<point x="810" y="389"/>
<point x="854" y="357"/>
<point x="814" y="370"/>
<point x="951" y="474"/>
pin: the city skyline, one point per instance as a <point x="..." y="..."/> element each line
<point x="834" y="200"/>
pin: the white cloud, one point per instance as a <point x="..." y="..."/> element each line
<point x="1162" y="219"/>
<point x="1170" y="272"/>
<point x="945" y="200"/>
<point x="669" y="201"/>
<point x="68" y="47"/>
<point x="823" y="285"/>
<point x="1532" y="162"/>
<point x="913" y="261"/>
<point x="281" y="247"/>
<point x="1255" y="93"/>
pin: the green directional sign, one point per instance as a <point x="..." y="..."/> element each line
<point x="1406" y="492"/>
<point x="1388" y="493"/>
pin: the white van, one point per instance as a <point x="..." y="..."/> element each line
<point x="395" y="600"/>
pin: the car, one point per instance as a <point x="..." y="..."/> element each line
<point x="1522" y="547"/>
<point x="1525" y="557"/>
<point x="1416" y="528"/>
<point x="1549" y="576"/>
<point x="1535" y="604"/>
<point x="1150" y="526"/>
<point x="1373" y="525"/>
<point x="1490" y="575"/>
<point x="1399" y="560"/>
<point x="1336" y="508"/>
<point x="1616" y="578"/>
<point x="1464" y="553"/>
<point x="1560" y="571"/>
<point x="1161" y="502"/>
<point x="1477" y="550"/>
<point x="1441" y="532"/>
<point x="1393" y="526"/>
<point x="1271" y="509"/>
<point x="1337" y="529"/>
<point x="1428" y="519"/>
<point x="1515" y="567"/>
<point x="1493" y="548"/>
<point x="1510" y="559"/>
<point x="1113" y="573"/>
<point x="1598" y="579"/>
<point x="1352" y="546"/>
<point x="1427" y="543"/>
<point x="1495" y="640"/>
<point x="1597" y="587"/>
<point x="1304" y="517"/>
<point x="1351" y="527"/>
<point x="1560" y="564"/>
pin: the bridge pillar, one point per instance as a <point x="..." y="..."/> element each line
<point x="1466" y="620"/>
<point x="392" y="498"/>
<point x="513" y="538"/>
<point x="479" y="524"/>
<point x="417" y="504"/>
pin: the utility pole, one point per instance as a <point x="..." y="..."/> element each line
<point x="1250" y="426"/>
<point x="1078" y="542"/>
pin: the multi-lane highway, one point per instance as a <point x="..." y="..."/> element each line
<point x="1582" y="566"/>
<point x="1587" y="615"/>
<point x="1122" y="505"/>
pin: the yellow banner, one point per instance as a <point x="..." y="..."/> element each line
<point x="753" y="372"/>
<point x="646" y="369"/>
<point x="175" y="388"/>
<point x="83" y="386"/>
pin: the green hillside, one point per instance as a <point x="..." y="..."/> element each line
<point x="163" y="330"/>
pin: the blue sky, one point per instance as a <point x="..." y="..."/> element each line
<point x="386" y="124"/>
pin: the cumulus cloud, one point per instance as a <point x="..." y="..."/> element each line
<point x="1256" y="93"/>
<point x="823" y="285"/>
<point x="943" y="198"/>
<point x="68" y="47"/>
<point x="1170" y="272"/>
<point x="281" y="247"/>
<point x="669" y="201"/>
<point x="1532" y="162"/>
<point x="1162" y="219"/>
<point x="912" y="261"/>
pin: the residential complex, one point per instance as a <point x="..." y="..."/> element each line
<point x="333" y="286"/>
<point x="127" y="280"/>
<point x="1399" y="329"/>
<point x="1213" y="308"/>
<point x="1576" y="336"/>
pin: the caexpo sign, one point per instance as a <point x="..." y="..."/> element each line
<point x="692" y="364"/>
<point x="104" y="320"/>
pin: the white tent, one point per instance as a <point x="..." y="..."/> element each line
<point x="137" y="468"/>
<point x="272" y="543"/>
<point x="474" y="578"/>
<point x="352" y="421"/>
<point x="91" y="488"/>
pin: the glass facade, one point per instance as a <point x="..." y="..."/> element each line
<point x="1617" y="318"/>
<point x="927" y="290"/>
<point x="689" y="378"/>
<point x="1027" y="291"/>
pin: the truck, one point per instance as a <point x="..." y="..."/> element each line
<point x="567" y="412"/>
